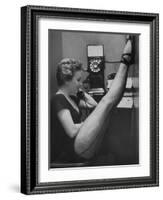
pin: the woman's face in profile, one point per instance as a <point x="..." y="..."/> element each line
<point x="76" y="82"/>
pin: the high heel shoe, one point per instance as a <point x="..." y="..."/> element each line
<point x="129" y="58"/>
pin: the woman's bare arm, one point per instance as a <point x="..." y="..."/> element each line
<point x="69" y="126"/>
<point x="87" y="102"/>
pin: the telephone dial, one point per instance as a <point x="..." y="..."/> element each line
<point x="95" y="64"/>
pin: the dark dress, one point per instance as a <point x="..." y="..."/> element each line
<point x="61" y="145"/>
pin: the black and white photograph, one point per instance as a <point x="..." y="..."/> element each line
<point x="93" y="98"/>
<point x="80" y="100"/>
<point x="89" y="100"/>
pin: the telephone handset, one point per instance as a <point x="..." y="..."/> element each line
<point x="80" y="94"/>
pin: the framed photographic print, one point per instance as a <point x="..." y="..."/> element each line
<point x="89" y="99"/>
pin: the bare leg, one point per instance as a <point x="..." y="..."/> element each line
<point x="86" y="141"/>
<point x="94" y="147"/>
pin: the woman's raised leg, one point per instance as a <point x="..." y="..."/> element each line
<point x="90" y="133"/>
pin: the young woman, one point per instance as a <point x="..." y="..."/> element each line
<point x="72" y="140"/>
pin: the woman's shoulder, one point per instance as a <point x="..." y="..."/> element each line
<point x="59" y="102"/>
<point x="58" y="97"/>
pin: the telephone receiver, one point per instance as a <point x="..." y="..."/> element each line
<point x="80" y="94"/>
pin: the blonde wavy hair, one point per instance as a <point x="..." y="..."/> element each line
<point x="66" y="69"/>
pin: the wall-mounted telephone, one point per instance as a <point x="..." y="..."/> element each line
<point x="96" y="67"/>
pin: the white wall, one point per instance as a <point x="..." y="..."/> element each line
<point x="10" y="98"/>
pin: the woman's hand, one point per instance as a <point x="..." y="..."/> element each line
<point x="87" y="101"/>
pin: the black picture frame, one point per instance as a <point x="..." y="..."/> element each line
<point x="29" y="99"/>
